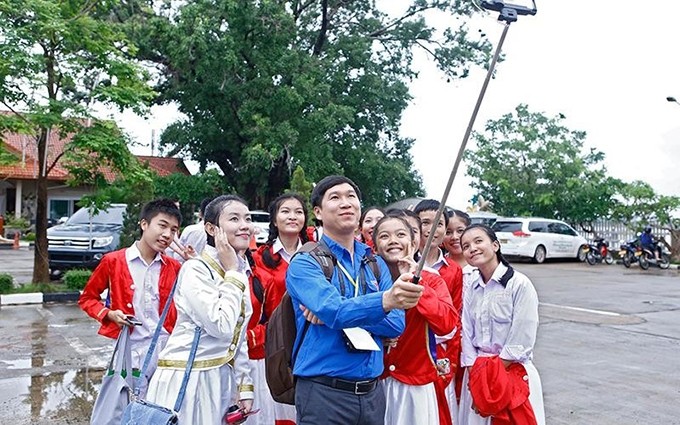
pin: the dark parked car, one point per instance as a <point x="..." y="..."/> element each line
<point x="83" y="240"/>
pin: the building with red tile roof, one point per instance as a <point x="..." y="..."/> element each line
<point x="18" y="179"/>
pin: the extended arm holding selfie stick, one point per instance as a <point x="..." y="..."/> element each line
<point x="508" y="14"/>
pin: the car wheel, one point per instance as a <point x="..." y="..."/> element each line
<point x="581" y="254"/>
<point x="539" y="254"/>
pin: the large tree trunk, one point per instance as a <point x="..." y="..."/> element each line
<point x="675" y="245"/>
<point x="41" y="272"/>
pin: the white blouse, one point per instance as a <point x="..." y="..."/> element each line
<point x="222" y="308"/>
<point x="498" y="320"/>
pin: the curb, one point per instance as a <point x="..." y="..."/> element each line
<point x="39" y="298"/>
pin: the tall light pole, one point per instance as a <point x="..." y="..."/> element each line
<point x="672" y="99"/>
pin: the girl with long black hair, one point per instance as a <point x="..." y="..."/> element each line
<point x="500" y="320"/>
<point x="287" y="233"/>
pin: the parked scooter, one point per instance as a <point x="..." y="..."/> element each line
<point x="630" y="252"/>
<point x="598" y="251"/>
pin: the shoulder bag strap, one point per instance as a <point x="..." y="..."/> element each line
<point x="187" y="371"/>
<point x="154" y="340"/>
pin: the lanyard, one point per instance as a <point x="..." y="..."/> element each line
<point x="351" y="280"/>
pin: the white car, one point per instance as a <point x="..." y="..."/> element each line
<point x="538" y="238"/>
<point x="261" y="222"/>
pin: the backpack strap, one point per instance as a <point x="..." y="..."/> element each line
<point x="323" y="255"/>
<point x="370" y="260"/>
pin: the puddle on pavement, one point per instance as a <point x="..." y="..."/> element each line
<point x="35" y="393"/>
<point x="64" y="396"/>
<point x="26" y="363"/>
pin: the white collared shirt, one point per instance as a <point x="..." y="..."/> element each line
<point x="441" y="260"/>
<point x="145" y="301"/>
<point x="498" y="320"/>
<point x="279" y="248"/>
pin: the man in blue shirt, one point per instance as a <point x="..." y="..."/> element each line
<point x="337" y="384"/>
<point x="648" y="243"/>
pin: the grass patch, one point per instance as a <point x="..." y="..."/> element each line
<point x="39" y="287"/>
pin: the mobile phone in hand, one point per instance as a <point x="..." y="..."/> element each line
<point x="237" y="416"/>
<point x="133" y="321"/>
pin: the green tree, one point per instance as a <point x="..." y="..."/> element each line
<point x="188" y="190"/>
<point x="299" y="183"/>
<point x="526" y="163"/>
<point x="270" y="85"/>
<point x="57" y="59"/>
<point x="639" y="205"/>
<point x="191" y="190"/>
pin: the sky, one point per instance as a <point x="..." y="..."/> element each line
<point x="607" y="66"/>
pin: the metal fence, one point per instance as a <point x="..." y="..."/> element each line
<point x="617" y="233"/>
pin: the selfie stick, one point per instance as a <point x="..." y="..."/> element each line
<point x="508" y="15"/>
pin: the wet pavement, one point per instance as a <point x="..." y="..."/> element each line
<point x="18" y="263"/>
<point x="606" y="350"/>
<point x="51" y="364"/>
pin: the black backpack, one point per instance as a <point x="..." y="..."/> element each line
<point x="282" y="331"/>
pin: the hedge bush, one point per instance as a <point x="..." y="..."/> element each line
<point x="75" y="280"/>
<point x="6" y="283"/>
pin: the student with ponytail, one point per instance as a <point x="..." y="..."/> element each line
<point x="500" y="320"/>
<point x="287" y="233"/>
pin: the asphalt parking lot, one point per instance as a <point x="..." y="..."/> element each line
<point x="607" y="350"/>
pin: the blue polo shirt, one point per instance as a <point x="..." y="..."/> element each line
<point x="323" y="351"/>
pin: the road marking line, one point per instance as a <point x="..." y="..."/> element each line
<point x="46" y="314"/>
<point x="585" y="310"/>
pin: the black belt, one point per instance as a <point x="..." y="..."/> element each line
<point x="356" y="387"/>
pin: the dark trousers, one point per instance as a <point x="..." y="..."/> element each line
<point x="319" y="404"/>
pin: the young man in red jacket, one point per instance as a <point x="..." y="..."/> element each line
<point x="448" y="346"/>
<point x="139" y="280"/>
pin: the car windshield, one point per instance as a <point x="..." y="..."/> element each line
<point x="114" y="215"/>
<point x="259" y="217"/>
<point x="507" y="226"/>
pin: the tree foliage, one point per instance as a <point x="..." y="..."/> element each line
<point x="526" y="163"/>
<point x="58" y="59"/>
<point x="638" y="205"/>
<point x="191" y="190"/>
<point x="188" y="190"/>
<point x="270" y="85"/>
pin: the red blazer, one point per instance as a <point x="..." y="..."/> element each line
<point x="501" y="393"/>
<point x="113" y="274"/>
<point x="453" y="276"/>
<point x="412" y="360"/>
<point x="274" y="282"/>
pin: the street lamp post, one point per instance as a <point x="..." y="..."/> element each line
<point x="672" y="99"/>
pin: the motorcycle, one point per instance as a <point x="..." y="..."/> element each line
<point x="648" y="258"/>
<point x="598" y="251"/>
<point x="630" y="252"/>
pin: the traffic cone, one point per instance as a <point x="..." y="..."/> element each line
<point x="16" y="241"/>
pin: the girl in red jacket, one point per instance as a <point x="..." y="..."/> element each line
<point x="410" y="366"/>
<point x="287" y="233"/>
<point x="367" y="222"/>
<point x="458" y="221"/>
